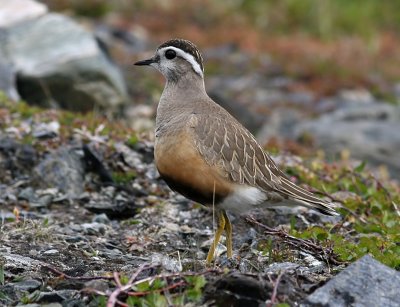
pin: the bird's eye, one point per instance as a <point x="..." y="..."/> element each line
<point x="170" y="54"/>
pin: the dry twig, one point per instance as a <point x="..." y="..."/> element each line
<point x="113" y="299"/>
<point x="275" y="290"/>
<point x="66" y="276"/>
<point x="304" y="245"/>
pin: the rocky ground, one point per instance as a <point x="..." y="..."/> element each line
<point x="70" y="211"/>
<point x="83" y="210"/>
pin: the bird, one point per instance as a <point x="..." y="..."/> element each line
<point x="202" y="152"/>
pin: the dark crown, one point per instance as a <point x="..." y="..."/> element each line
<point x="186" y="46"/>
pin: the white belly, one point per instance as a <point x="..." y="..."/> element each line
<point x="244" y="198"/>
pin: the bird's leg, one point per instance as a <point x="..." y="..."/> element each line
<point x="228" y="230"/>
<point x="218" y="233"/>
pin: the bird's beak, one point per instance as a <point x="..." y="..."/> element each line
<point x="145" y="62"/>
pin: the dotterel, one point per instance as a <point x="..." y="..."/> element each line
<point x="205" y="154"/>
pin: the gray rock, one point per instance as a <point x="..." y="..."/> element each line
<point x="345" y="99"/>
<point x="34" y="200"/>
<point x="396" y="91"/>
<point x="94" y="228"/>
<point x="7" y="77"/>
<point x="56" y="296"/>
<point x="51" y="252"/>
<point x="29" y="285"/>
<point x="249" y="119"/>
<point x="46" y="130"/>
<point x="168" y="263"/>
<point x="364" y="283"/>
<point x="60" y="63"/>
<point x="27" y="194"/>
<point x="278" y="267"/>
<point x="236" y="289"/>
<point x="131" y="41"/>
<point x="16" y="157"/>
<point x="281" y="123"/>
<point x="14" y="261"/>
<point x="41" y="202"/>
<point x="62" y="169"/>
<point x="101" y="218"/>
<point x="99" y="285"/>
<point x="369" y="131"/>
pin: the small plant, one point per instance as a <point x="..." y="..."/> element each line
<point x="195" y="288"/>
<point x="371" y="215"/>
<point x="275" y="251"/>
<point x="132" y="140"/>
<point x="124" y="177"/>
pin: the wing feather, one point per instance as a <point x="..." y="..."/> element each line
<point x="224" y="142"/>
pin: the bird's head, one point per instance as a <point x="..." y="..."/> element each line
<point x="175" y="59"/>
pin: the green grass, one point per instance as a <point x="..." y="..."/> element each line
<point x="370" y="216"/>
<point x="324" y="19"/>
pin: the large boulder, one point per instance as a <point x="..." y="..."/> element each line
<point x="370" y="131"/>
<point x="55" y="61"/>
<point x="366" y="282"/>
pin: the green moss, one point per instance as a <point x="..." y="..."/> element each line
<point x="191" y="291"/>
<point x="370" y="219"/>
<point x="132" y="140"/>
<point x="123" y="177"/>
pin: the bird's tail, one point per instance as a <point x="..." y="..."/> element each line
<point x="305" y="198"/>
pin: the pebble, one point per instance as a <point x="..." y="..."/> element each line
<point x="33" y="253"/>
<point x="219" y="250"/>
<point x="94" y="228"/>
<point x="51" y="252"/>
<point x="276" y="268"/>
<point x="168" y="263"/>
<point x="99" y="285"/>
<point x="101" y="218"/>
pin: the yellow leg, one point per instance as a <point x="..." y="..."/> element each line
<point x="228" y="230"/>
<point x="217" y="237"/>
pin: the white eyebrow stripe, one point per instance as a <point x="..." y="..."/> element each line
<point x="188" y="57"/>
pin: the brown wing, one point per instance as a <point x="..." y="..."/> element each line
<point x="224" y="142"/>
